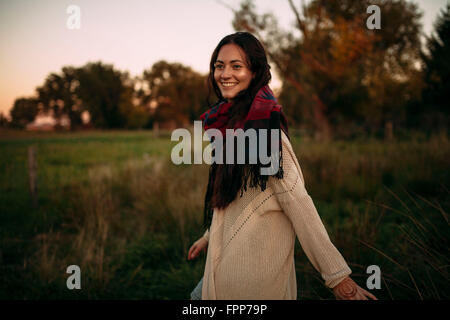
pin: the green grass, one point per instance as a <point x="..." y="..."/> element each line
<point x="114" y="204"/>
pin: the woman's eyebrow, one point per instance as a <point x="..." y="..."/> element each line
<point x="232" y="61"/>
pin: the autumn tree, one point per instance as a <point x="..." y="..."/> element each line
<point x="178" y="92"/>
<point x="335" y="71"/>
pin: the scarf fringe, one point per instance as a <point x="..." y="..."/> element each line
<point x="252" y="179"/>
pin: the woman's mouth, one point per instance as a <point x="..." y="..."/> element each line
<point x="229" y="84"/>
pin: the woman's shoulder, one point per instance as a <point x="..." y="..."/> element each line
<point x="284" y="138"/>
<point x="292" y="173"/>
<point x="287" y="149"/>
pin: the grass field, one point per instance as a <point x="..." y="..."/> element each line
<point x="114" y="204"/>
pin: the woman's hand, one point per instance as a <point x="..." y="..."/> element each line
<point x="197" y="247"/>
<point x="347" y="289"/>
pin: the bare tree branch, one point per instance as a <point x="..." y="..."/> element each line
<point x="300" y="22"/>
<point x="226" y="6"/>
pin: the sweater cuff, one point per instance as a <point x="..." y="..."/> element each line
<point x="206" y="235"/>
<point x="333" y="280"/>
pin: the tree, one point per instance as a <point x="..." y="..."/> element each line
<point x="103" y="90"/>
<point x="24" y="111"/>
<point x="58" y="95"/>
<point x="3" y="121"/>
<point x="136" y="115"/>
<point x="334" y="69"/>
<point x="107" y="94"/>
<point x="436" y="65"/>
<point x="179" y="92"/>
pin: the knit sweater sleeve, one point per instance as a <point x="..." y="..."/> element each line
<point x="299" y="207"/>
<point x="206" y="235"/>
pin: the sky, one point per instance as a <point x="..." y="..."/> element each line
<point x="132" y="35"/>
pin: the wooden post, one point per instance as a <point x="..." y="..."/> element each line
<point x="32" y="175"/>
<point x="156" y="129"/>
<point x="388" y="130"/>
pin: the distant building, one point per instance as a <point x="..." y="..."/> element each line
<point x="48" y="123"/>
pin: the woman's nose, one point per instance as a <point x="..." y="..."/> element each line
<point x="225" y="73"/>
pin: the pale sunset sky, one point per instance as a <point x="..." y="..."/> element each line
<point x="132" y="35"/>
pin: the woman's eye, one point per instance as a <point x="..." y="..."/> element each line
<point x="221" y="66"/>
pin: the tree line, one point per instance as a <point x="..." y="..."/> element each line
<point x="339" y="78"/>
<point x="167" y="91"/>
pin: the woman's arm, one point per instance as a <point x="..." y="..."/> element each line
<point x="299" y="208"/>
<point x="198" y="246"/>
<point x="206" y="235"/>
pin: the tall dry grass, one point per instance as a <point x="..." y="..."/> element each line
<point x="129" y="227"/>
<point x="145" y="200"/>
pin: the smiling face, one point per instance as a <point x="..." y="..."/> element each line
<point x="231" y="71"/>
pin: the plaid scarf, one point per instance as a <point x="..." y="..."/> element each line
<point x="264" y="113"/>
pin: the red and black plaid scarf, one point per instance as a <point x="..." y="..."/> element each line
<point x="264" y="113"/>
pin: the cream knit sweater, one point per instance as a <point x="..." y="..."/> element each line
<point x="251" y="242"/>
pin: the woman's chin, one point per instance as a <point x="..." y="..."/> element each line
<point x="228" y="96"/>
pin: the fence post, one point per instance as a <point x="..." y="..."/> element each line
<point x="156" y="129"/>
<point x="32" y="175"/>
<point x="388" y="130"/>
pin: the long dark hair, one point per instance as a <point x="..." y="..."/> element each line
<point x="230" y="178"/>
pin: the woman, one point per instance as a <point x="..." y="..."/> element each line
<point x="252" y="219"/>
